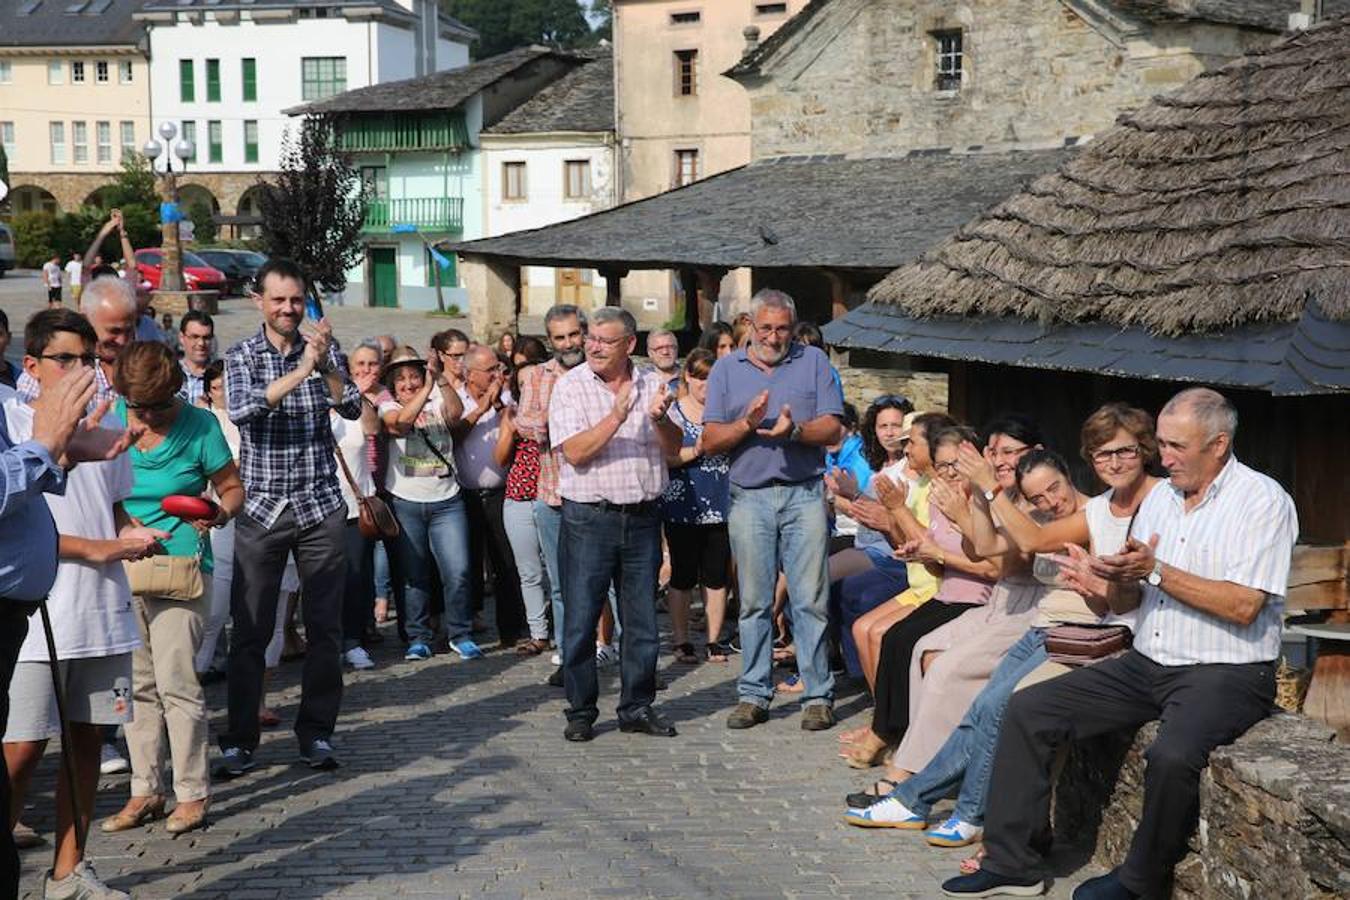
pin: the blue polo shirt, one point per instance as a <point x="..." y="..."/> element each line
<point x="804" y="382"/>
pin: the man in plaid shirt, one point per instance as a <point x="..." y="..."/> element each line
<point x="279" y="387"/>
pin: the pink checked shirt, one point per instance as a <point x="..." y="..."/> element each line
<point x="536" y="388"/>
<point x="631" y="467"/>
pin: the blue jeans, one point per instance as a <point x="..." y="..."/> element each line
<point x="853" y="597"/>
<point x="548" y="523"/>
<point x="518" y="519"/>
<point x="599" y="546"/>
<point x="772" y="528"/>
<point x="434" y="534"/>
<point x="966" y="760"/>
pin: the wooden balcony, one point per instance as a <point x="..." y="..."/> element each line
<point x="392" y="132"/>
<point x="429" y="214"/>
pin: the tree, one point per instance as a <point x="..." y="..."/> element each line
<point x="203" y="222"/>
<point x="601" y="14"/>
<point x="506" y="24"/>
<point x="314" y="211"/>
<point x="135" y="193"/>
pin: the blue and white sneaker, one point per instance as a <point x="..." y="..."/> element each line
<point x="954" y="833"/>
<point x="418" y="652"/>
<point x="320" y="755"/>
<point x="467" y="649"/>
<point x="886" y="813"/>
<point x="234" y="761"/>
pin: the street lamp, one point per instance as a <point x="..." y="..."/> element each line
<point x="171" y="269"/>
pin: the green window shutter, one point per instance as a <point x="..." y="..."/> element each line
<point x="187" y="91"/>
<point x="190" y="135"/>
<point x="250" y="141"/>
<point x="213" y="81"/>
<point x="250" y="80"/>
<point x="214" y="142"/>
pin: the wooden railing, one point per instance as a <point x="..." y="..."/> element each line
<point x="438" y="214"/>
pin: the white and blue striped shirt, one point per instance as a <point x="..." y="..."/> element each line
<point x="1242" y="531"/>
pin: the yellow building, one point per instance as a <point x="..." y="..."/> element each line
<point x="74" y="98"/>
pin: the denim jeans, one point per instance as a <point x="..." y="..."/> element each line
<point x="434" y="534"/>
<point x="782" y="526"/>
<point x="599" y="546"/>
<point x="548" y="524"/>
<point x="518" y="516"/>
<point x="853" y="597"/>
<point x="967" y="758"/>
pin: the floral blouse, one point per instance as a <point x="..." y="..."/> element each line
<point x="699" y="493"/>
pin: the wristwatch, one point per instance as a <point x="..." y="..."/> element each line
<point x="990" y="495"/>
<point x="1154" y="578"/>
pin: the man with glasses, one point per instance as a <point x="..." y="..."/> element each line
<point x="775" y="408"/>
<point x="608" y="418"/>
<point x="196" y="334"/>
<point x="663" y="349"/>
<point x="110" y="306"/>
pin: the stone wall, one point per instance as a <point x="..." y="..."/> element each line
<point x="870" y="379"/>
<point x="1274" y="811"/>
<point x="860" y="78"/>
<point x="72" y="190"/>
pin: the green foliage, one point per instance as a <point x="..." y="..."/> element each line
<point x="135" y="193"/>
<point x="507" y="24"/>
<point x="601" y="15"/>
<point x="314" y="211"/>
<point x="34" y="238"/>
<point x="204" y="230"/>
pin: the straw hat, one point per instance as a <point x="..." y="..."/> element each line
<point x="402" y="356"/>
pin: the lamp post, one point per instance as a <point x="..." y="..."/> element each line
<point x="171" y="269"/>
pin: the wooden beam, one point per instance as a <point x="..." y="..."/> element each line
<point x="838" y="294"/>
<point x="710" y="287"/>
<point x="613" y="285"/>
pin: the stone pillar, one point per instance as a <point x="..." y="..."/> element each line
<point x="494" y="295"/>
<point x="709" y="290"/>
<point x="613" y="285"/>
<point x="171" y="267"/>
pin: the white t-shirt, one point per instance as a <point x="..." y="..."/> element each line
<point x="51" y="274"/>
<point x="75" y="270"/>
<point x="90" y="604"/>
<point x="473" y="455"/>
<point x="351" y="443"/>
<point x="1108" y="532"/>
<point x="414" y="471"/>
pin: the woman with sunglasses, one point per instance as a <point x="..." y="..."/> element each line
<point x="181" y="452"/>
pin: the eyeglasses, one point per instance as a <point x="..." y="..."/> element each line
<point x="150" y="407"/>
<point x="608" y="342"/>
<point x="1127" y="453"/>
<point x="946" y="467"/>
<point x="65" y="360"/>
<point x="779" y="330"/>
<point x="662" y="348"/>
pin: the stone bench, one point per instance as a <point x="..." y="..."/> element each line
<point x="1274" y="811"/>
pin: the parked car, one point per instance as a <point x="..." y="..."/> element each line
<point x="6" y="250"/>
<point x="198" y="274"/>
<point x="239" y="266"/>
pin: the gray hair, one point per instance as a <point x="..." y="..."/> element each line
<point x="772" y="298"/>
<point x="1209" y="408"/>
<point x="615" y="314"/>
<point x="110" y="292"/>
<point x="477" y="350"/>
<point x="371" y="344"/>
<point x="565" y="311"/>
<point x="660" y="332"/>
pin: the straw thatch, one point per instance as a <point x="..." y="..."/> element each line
<point x="1225" y="203"/>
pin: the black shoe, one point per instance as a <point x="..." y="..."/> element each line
<point x="234" y="761"/>
<point x="988" y="884"/>
<point x="1104" y="887"/>
<point x="662" y="684"/>
<point x="319" y="755"/>
<point x="648" y="721"/>
<point x="556" y="679"/>
<point x="579" y="731"/>
<point x="210" y="676"/>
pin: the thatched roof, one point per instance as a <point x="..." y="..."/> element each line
<point x="826" y="211"/>
<point x="1224" y="204"/>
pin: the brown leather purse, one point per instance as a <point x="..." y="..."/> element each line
<point x="1083" y="645"/>
<point x="374" y="517"/>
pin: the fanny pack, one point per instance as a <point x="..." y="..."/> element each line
<point x="1083" y="645"/>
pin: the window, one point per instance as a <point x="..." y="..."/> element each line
<point x="127" y="132"/>
<point x="250" y="79"/>
<point x="577" y="179"/>
<point x="103" y="132"/>
<point x="375" y="182"/>
<point x="101" y="71"/>
<point x="58" y="137"/>
<point x="6" y="71"/>
<point x="685" y="18"/>
<point x="79" y="137"/>
<point x="187" y="81"/>
<point x="215" y="143"/>
<point x="56" y="73"/>
<point x="322" y="76"/>
<point x="513" y="181"/>
<point x="124" y="72"/>
<point x="190" y="135"/>
<point x="7" y="138"/>
<point x="250" y="141"/>
<point x="686" y="167"/>
<point x="686" y="73"/>
<point x="77" y="72"/>
<point x="948" y="45"/>
<point x="213" y="81"/>
<point x="770" y="9"/>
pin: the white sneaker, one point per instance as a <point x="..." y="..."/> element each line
<point x="358" y="658"/>
<point x="111" y="761"/>
<point x="606" y="655"/>
<point x="81" y="884"/>
<point x="556" y="659"/>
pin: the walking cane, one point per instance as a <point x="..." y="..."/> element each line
<point x="67" y="745"/>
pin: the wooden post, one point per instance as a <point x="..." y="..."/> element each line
<point x="613" y="285"/>
<point x="710" y="287"/>
<point x="689" y="291"/>
<point x="838" y="294"/>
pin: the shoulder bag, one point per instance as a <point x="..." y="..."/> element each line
<point x="166" y="577"/>
<point x="374" y="517"/>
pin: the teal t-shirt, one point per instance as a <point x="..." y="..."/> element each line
<point x="192" y="451"/>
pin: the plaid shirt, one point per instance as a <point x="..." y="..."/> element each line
<point x="194" y="386"/>
<point x="631" y="467"/>
<point x="536" y="389"/>
<point x="28" y="389"/>
<point x="286" y="452"/>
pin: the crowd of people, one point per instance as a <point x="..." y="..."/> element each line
<point x="991" y="609"/>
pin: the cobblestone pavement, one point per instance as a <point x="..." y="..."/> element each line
<point x="457" y="782"/>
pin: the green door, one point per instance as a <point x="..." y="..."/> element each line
<point x="384" y="276"/>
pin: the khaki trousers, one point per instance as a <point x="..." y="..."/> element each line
<point x="167" y="697"/>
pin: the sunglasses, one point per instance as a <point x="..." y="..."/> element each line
<point x="892" y="400"/>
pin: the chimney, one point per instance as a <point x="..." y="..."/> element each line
<point x="1310" y="14"/>
<point x="751" y="35"/>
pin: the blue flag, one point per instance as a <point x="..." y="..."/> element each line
<point x="441" y="259"/>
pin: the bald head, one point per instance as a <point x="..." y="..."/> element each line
<point x="482" y="370"/>
<point x="1195" y="437"/>
<point x="110" y="306"/>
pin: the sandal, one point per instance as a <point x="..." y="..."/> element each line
<point x="716" y="652"/>
<point x="864" y="799"/>
<point x="864" y="758"/>
<point x="532" y="647"/>
<point x="851" y="736"/>
<point x="684" y="653"/>
<point x="971" y="864"/>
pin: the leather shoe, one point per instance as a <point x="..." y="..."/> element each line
<point x="648" y="721"/>
<point x="579" y="731"/>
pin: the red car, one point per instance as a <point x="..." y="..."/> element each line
<point x="198" y="274"/>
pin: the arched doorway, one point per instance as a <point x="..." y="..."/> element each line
<point x="248" y="214"/>
<point x="201" y="206"/>
<point x="31" y="198"/>
<point x="98" y="198"/>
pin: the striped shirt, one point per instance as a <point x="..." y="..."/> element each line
<point x="287" y="452"/>
<point x="28" y="389"/>
<point x="1242" y="531"/>
<point x="194" y="386"/>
